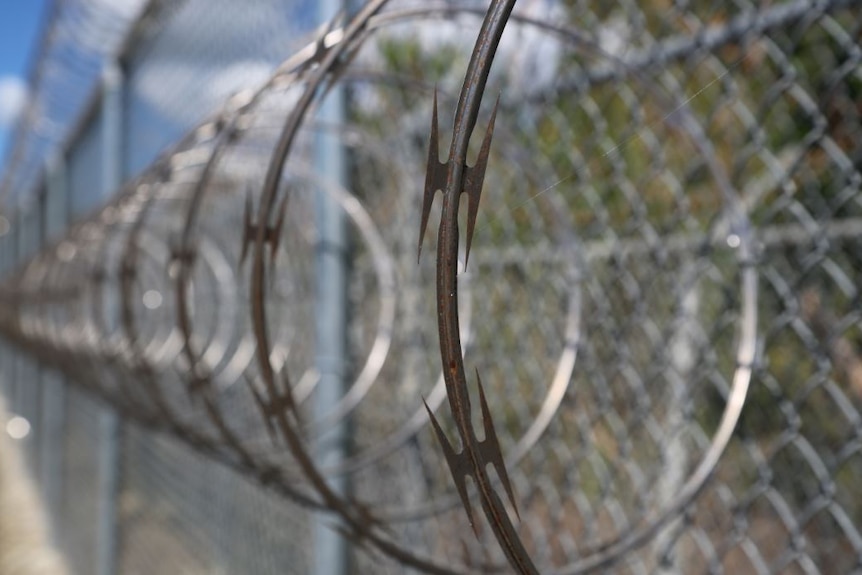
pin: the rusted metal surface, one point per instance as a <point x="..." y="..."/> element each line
<point x="185" y="301"/>
<point x="455" y="177"/>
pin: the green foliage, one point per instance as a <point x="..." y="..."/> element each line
<point x="627" y="163"/>
<point x="404" y="56"/>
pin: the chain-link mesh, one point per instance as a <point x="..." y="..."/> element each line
<point x="180" y="509"/>
<point x="664" y="179"/>
<point x="78" y="521"/>
<point x="195" y="54"/>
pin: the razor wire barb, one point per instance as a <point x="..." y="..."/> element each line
<point x="694" y="250"/>
<point x="456" y="178"/>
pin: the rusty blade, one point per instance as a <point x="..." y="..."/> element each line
<point x="248" y="229"/>
<point x="460" y="178"/>
<point x="474" y="177"/>
<point x="459" y="466"/>
<point x="271" y="233"/>
<point x="490" y="447"/>
<point x="435" y="175"/>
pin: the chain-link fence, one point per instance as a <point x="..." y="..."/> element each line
<point x="668" y="232"/>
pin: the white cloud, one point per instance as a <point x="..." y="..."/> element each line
<point x="13" y="93"/>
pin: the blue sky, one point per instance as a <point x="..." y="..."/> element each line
<point x="20" y="24"/>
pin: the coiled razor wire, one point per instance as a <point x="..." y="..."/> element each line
<point x="610" y="300"/>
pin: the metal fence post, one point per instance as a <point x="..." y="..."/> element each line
<point x="109" y="425"/>
<point x="5" y="353"/>
<point x="30" y="373"/>
<point x="330" y="548"/>
<point x="53" y="408"/>
<point x="14" y="398"/>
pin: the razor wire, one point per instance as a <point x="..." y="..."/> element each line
<point x="665" y="217"/>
